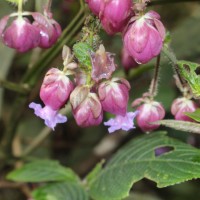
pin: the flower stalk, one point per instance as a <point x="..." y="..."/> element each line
<point x="154" y="83"/>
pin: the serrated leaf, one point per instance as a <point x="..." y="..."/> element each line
<point x="194" y="115"/>
<point x="137" y="160"/>
<point x="191" y="73"/>
<point x="60" y="191"/>
<point x="189" y="127"/>
<point x="82" y="52"/>
<point x="42" y="171"/>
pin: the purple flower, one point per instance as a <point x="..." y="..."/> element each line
<point x="144" y="37"/>
<point x="51" y="117"/>
<point x="121" y="122"/>
<point x="114" y="95"/>
<point x="149" y="112"/>
<point x="55" y="89"/>
<point x="50" y="30"/>
<point x="86" y="107"/>
<point x="21" y="35"/>
<point x="115" y="14"/>
<point x="95" y="6"/>
<point x="182" y="105"/>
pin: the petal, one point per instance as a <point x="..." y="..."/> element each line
<point x="51" y="117"/>
<point x="121" y="122"/>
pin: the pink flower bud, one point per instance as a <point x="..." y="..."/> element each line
<point x="55" y="89"/>
<point x="114" y="95"/>
<point x="127" y="61"/>
<point x="144" y="37"/>
<point x="95" y="6"/>
<point x="121" y="122"/>
<point x="86" y="107"/>
<point x="182" y="105"/>
<point x="102" y="64"/>
<point x="149" y="112"/>
<point x="50" y="30"/>
<point x="115" y="15"/>
<point x="51" y="117"/>
<point x="21" y="35"/>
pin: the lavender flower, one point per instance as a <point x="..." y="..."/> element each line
<point x="121" y="122"/>
<point x="51" y="117"/>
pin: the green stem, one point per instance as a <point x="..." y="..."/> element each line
<point x="14" y="87"/>
<point x="20" y="7"/>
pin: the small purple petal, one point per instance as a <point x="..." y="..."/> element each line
<point x="121" y="122"/>
<point x="51" y="117"/>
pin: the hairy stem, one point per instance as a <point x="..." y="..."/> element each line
<point x="154" y="82"/>
<point x="173" y="60"/>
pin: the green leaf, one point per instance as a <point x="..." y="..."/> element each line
<point x="82" y="52"/>
<point x="95" y="171"/>
<point x="60" y="191"/>
<point x="191" y="73"/>
<point x="194" y="115"/>
<point x="137" y="160"/>
<point x="189" y="127"/>
<point x="42" y="171"/>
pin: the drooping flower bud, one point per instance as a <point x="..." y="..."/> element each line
<point x="86" y="107"/>
<point x="95" y="6"/>
<point x="115" y="15"/>
<point x="149" y="112"/>
<point x="114" y="95"/>
<point x="144" y="37"/>
<point x="182" y="105"/>
<point x="102" y="64"/>
<point x="50" y="30"/>
<point x="21" y="35"/>
<point x="54" y="92"/>
<point x="127" y="61"/>
<point x="55" y="89"/>
<point x="121" y="122"/>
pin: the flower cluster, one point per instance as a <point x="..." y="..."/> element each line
<point x="143" y="33"/>
<point x="92" y="90"/>
<point x="23" y="35"/>
<point x="89" y="94"/>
